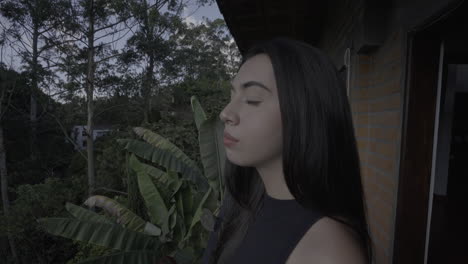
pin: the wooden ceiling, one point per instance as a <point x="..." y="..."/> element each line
<point x="255" y="20"/>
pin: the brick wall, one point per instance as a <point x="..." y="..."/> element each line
<point x="375" y="96"/>
<point x="376" y="103"/>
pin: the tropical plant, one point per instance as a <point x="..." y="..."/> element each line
<point x="178" y="196"/>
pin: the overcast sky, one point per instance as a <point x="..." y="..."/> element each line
<point x="211" y="12"/>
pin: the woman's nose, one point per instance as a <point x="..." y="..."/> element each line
<point x="223" y="116"/>
<point x="227" y="116"/>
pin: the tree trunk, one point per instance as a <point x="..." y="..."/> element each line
<point x="148" y="85"/>
<point x="33" y="98"/>
<point x="4" y="183"/>
<point x="89" y="94"/>
<point x="148" y="82"/>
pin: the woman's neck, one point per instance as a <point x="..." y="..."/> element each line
<point x="272" y="176"/>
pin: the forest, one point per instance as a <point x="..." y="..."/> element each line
<point x="110" y="138"/>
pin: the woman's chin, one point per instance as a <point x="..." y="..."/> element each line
<point x="235" y="160"/>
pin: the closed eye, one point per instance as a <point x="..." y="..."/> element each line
<point x="253" y="102"/>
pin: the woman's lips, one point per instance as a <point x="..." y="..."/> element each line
<point x="229" y="140"/>
<point x="228" y="136"/>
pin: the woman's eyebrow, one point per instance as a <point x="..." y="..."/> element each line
<point x="248" y="84"/>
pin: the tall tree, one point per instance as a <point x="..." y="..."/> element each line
<point x="95" y="28"/>
<point x="34" y="31"/>
<point x="204" y="62"/>
<point x="152" y="43"/>
<point x="7" y="85"/>
<point x="207" y="51"/>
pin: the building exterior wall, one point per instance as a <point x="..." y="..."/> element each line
<point x="377" y="86"/>
<point x="78" y="134"/>
<point x="375" y="95"/>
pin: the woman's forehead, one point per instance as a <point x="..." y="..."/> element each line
<point x="256" y="68"/>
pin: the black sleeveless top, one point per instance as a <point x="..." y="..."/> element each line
<point x="271" y="238"/>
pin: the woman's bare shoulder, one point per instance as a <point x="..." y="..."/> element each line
<point x="328" y="241"/>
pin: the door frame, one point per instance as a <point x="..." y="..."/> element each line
<point x="419" y="118"/>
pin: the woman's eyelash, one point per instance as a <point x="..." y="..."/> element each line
<point x="249" y="102"/>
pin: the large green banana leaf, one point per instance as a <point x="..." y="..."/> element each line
<point x="162" y="177"/>
<point x="107" y="235"/>
<point x="173" y="218"/>
<point x="212" y="153"/>
<point x="167" y="156"/>
<point x="171" y="221"/>
<point x="188" y="200"/>
<point x="180" y="225"/>
<point x="133" y="257"/>
<point x="180" y="202"/>
<point x="123" y="215"/>
<point x="199" y="113"/>
<point x="175" y="180"/>
<point x="172" y="156"/>
<point x="157" y="208"/>
<point x="176" y="188"/>
<point x="86" y="215"/>
<point x="198" y="213"/>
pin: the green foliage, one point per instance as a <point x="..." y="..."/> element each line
<point x="157" y="208"/>
<point x="36" y="201"/>
<point x="192" y="66"/>
<point x="174" y="205"/>
<point x="214" y="94"/>
<point x="212" y="152"/>
<point x="206" y="51"/>
<point x="82" y="214"/>
<point x="110" y="157"/>
<point x="182" y="130"/>
<point x="86" y="251"/>
<point x="53" y="153"/>
<point x="104" y="234"/>
<point x="165" y="154"/>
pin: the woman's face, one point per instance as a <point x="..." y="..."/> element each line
<point x="253" y="115"/>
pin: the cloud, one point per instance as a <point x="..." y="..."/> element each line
<point x="189" y="18"/>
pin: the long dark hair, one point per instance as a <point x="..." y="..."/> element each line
<point x="320" y="158"/>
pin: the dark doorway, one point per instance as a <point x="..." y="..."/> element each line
<point x="448" y="215"/>
<point x="414" y="208"/>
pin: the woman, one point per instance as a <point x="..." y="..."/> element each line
<point x="292" y="172"/>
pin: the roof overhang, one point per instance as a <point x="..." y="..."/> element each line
<point x="250" y="21"/>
